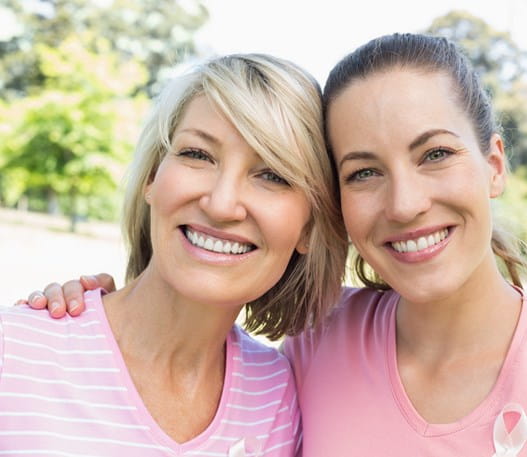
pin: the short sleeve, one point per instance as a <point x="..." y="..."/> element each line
<point x="1" y="346"/>
<point x="286" y="431"/>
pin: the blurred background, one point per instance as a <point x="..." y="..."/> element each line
<point x="77" y="76"/>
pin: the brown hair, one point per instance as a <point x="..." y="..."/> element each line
<point x="277" y="108"/>
<point x="429" y="54"/>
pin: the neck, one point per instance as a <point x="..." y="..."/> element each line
<point x="473" y="318"/>
<point x="165" y="331"/>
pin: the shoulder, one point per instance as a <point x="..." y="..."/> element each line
<point x="19" y="316"/>
<point x="254" y="353"/>
<point x="40" y="320"/>
<point x="262" y="381"/>
<point x="358" y="306"/>
<point x="27" y="329"/>
<point x="354" y="305"/>
<point x="358" y="311"/>
<point x="259" y="367"/>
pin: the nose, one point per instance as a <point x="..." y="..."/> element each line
<point x="223" y="200"/>
<point x="407" y="198"/>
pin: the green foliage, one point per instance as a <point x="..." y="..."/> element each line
<point x="155" y="33"/>
<point x="74" y="81"/>
<point x="512" y="205"/>
<point x="502" y="66"/>
<point x="65" y="140"/>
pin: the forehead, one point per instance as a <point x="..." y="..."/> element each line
<point x="201" y="112"/>
<point x="399" y="103"/>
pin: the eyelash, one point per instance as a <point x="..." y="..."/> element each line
<point x="198" y="154"/>
<point x="194" y="153"/>
<point x="356" y="175"/>
<point x="273" y="177"/>
<point x="446" y="152"/>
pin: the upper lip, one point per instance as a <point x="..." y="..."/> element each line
<point x="218" y="233"/>
<point x="414" y="234"/>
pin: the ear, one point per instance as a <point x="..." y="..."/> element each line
<point x="498" y="166"/>
<point x="302" y="247"/>
<point x="147" y="193"/>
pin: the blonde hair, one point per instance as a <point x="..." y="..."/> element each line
<point x="276" y="107"/>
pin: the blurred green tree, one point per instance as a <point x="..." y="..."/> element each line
<point x="503" y="68"/>
<point x="69" y="140"/>
<point x="157" y="33"/>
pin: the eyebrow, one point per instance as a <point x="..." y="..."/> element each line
<point x="424" y="137"/>
<point x="357" y="155"/>
<point x="419" y="141"/>
<point x="202" y="134"/>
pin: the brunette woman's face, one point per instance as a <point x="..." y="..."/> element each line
<point x="223" y="224"/>
<point x="415" y="186"/>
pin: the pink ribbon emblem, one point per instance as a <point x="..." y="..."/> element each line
<point x="510" y="431"/>
<point x="239" y="448"/>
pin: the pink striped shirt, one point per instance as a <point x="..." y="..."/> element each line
<point x="65" y="391"/>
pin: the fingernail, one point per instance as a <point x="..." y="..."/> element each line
<point x="73" y="305"/>
<point x="54" y="306"/>
<point x="36" y="296"/>
<point x="89" y="278"/>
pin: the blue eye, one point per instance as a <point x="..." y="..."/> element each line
<point x="193" y="153"/>
<point x="361" y="175"/>
<point x="438" y="154"/>
<point x="271" y="176"/>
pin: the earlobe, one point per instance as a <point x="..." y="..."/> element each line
<point x="498" y="166"/>
<point x="302" y="246"/>
<point x="148" y="195"/>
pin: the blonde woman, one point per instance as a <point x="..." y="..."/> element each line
<point x="230" y="203"/>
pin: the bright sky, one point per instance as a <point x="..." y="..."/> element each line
<point x="316" y="34"/>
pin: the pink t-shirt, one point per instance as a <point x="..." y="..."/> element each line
<point x="354" y="404"/>
<point x="65" y="391"/>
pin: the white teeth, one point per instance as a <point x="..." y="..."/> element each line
<point x="215" y="244"/>
<point x="420" y="243"/>
<point x="218" y="246"/>
<point x="411" y="246"/>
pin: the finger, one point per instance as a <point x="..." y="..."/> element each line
<point x="107" y="282"/>
<point x="74" y="296"/>
<point x="37" y="300"/>
<point x="103" y="280"/>
<point x="55" y="300"/>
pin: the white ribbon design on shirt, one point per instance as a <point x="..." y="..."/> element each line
<point x="509" y="444"/>
<point x="238" y="449"/>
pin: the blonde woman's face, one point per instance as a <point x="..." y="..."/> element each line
<point x="415" y="186"/>
<point x="223" y="225"/>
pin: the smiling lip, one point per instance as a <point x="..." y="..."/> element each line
<point x="215" y="242"/>
<point x="420" y="245"/>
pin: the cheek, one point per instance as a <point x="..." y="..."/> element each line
<point x="355" y="215"/>
<point x="169" y="189"/>
<point x="283" y="225"/>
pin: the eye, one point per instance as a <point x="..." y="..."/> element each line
<point x="271" y="176"/>
<point x="193" y="153"/>
<point x="437" y="154"/>
<point x="361" y="175"/>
